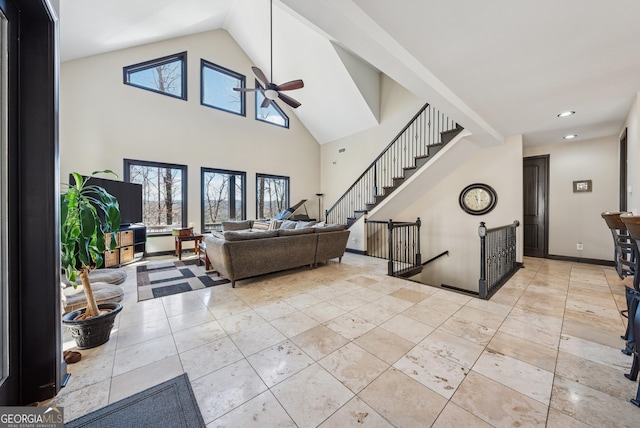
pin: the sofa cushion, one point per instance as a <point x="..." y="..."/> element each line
<point x="236" y="225"/>
<point x="303" y="224"/>
<point x="290" y="232"/>
<point x="288" y="224"/>
<point x="243" y="235"/>
<point x="329" y="228"/>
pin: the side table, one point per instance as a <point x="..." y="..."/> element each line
<point x="197" y="239"/>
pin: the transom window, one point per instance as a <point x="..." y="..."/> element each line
<point x="164" y="193"/>
<point x="272" y="195"/>
<point x="272" y="114"/>
<point x="166" y="75"/>
<point x="216" y="88"/>
<point x="223" y="197"/>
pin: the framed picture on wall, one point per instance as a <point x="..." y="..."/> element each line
<point x="581" y="186"/>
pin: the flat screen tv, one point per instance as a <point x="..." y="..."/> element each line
<point x="129" y="196"/>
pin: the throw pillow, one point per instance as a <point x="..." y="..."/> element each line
<point x="260" y="225"/>
<point x="330" y="228"/>
<point x="275" y="224"/>
<point x="303" y="224"/>
<point x="243" y="235"/>
<point x="320" y="224"/>
<point x="236" y="225"/>
<point x="288" y="224"/>
<point x="217" y="234"/>
<point x="291" y="232"/>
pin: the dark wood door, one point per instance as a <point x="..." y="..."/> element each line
<point x="536" y="185"/>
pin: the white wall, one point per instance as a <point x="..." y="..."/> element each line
<point x="103" y="121"/>
<point x="340" y="170"/>
<point x="446" y="227"/>
<point x="575" y="217"/>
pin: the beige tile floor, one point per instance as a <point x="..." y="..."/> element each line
<point x="345" y="345"/>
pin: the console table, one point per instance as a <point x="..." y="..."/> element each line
<point x="197" y="239"/>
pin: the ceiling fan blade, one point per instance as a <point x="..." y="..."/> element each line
<point x="260" y="75"/>
<point x="288" y="86"/>
<point x="265" y="103"/>
<point x="248" y="89"/>
<point x="287" y="99"/>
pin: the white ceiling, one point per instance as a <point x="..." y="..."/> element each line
<point x="499" y="67"/>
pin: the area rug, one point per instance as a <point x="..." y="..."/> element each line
<point x="170" y="404"/>
<point x="172" y="277"/>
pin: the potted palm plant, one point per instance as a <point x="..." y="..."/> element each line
<point x="89" y="220"/>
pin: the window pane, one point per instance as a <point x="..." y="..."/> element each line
<point x="222" y="197"/>
<point x="217" y="88"/>
<point x="271" y="114"/>
<point x="272" y="195"/>
<point x="164" y="75"/>
<point x="163" y="201"/>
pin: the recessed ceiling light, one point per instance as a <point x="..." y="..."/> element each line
<point x="570" y="136"/>
<point x="566" y="113"/>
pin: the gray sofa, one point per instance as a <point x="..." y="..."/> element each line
<point x="239" y="254"/>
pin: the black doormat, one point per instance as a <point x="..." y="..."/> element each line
<point x="170" y="404"/>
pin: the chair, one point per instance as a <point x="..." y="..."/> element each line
<point x="633" y="374"/>
<point x="626" y="262"/>
<point x="624" y="249"/>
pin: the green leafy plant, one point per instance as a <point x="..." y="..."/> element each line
<point x="84" y="233"/>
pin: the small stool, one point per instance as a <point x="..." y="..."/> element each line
<point x="180" y="239"/>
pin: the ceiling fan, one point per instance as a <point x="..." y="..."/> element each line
<point x="271" y="91"/>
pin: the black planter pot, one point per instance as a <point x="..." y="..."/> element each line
<point x="94" y="331"/>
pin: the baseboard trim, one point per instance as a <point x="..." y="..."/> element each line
<point x="581" y="260"/>
<point x="351" y="250"/>
<point x="165" y="253"/>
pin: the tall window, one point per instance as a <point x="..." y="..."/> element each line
<point x="272" y="114"/>
<point x="216" y="88"/>
<point x="164" y="193"/>
<point x="166" y="75"/>
<point x="272" y="195"/>
<point x="223" y="197"/>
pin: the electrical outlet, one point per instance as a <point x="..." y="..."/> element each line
<point x="579" y="246"/>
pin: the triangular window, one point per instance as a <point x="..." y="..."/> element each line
<point x="166" y="75"/>
<point x="272" y="114"/>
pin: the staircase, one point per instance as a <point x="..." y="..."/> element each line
<point x="427" y="132"/>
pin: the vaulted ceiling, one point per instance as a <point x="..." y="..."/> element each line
<point x="498" y="67"/>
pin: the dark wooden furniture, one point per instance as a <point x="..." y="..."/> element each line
<point x="180" y="238"/>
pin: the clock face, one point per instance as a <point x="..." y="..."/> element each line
<point x="477" y="199"/>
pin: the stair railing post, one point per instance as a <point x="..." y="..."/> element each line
<point x="375" y="179"/>
<point x="390" y="242"/>
<point x="418" y="253"/>
<point x="482" y="283"/>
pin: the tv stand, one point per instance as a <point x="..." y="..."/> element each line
<point x="131" y="241"/>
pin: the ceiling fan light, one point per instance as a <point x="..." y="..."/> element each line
<point x="271" y="94"/>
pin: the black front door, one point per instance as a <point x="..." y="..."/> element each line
<point x="536" y="225"/>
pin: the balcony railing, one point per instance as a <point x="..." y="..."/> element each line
<point x="398" y="242"/>
<point x="497" y="257"/>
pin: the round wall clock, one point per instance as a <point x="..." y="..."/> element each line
<point x="478" y="199"/>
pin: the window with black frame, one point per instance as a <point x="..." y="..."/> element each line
<point x="164" y="193"/>
<point x="166" y="75"/>
<point x="272" y="195"/>
<point x="223" y="197"/>
<point x="216" y="88"/>
<point x="272" y="114"/>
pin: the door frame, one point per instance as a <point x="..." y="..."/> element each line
<point x="35" y="338"/>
